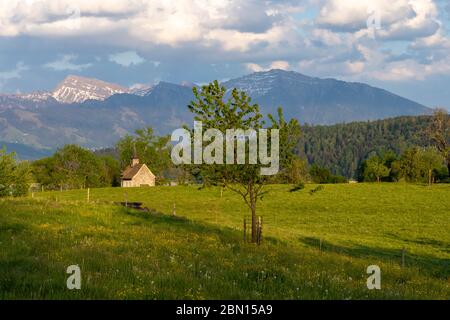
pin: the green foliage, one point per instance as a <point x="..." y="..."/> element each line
<point x="238" y="112"/>
<point x="14" y="177"/>
<point x="296" y="172"/>
<point x="292" y="168"/>
<point x="439" y="133"/>
<point x="375" y="169"/>
<point x="73" y="167"/>
<point x="422" y="165"/>
<point x="110" y="171"/>
<point x="324" y="176"/>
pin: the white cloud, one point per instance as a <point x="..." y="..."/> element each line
<point x="14" y="73"/>
<point x="355" y="67"/>
<point x="254" y="67"/>
<point x="398" y="19"/>
<point x="65" y="63"/>
<point x="159" y="22"/>
<point x="283" y="65"/>
<point x="326" y="37"/>
<point x="274" y="34"/>
<point x="127" y="58"/>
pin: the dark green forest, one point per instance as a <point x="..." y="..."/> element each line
<point x="342" y="148"/>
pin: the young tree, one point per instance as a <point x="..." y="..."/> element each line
<point x="439" y="133"/>
<point x="430" y="160"/>
<point x="375" y="169"/>
<point x="297" y="172"/>
<point x="237" y="112"/>
<point x="409" y="166"/>
<point x="421" y="164"/>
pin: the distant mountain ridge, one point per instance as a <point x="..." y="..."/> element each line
<point x="95" y="114"/>
<point x="323" y="101"/>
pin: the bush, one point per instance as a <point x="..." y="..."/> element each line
<point x="323" y="176"/>
<point x="14" y="176"/>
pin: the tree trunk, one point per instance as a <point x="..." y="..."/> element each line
<point x="252" y="202"/>
<point x="254" y="225"/>
<point x="448" y="167"/>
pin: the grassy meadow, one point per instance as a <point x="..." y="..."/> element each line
<point x="316" y="246"/>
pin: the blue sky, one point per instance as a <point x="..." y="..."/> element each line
<point x="400" y="45"/>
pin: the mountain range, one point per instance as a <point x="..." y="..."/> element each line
<point x="95" y="114"/>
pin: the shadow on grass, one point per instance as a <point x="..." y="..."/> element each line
<point x="224" y="233"/>
<point x="440" y="245"/>
<point x="435" y="267"/>
<point x="12" y="227"/>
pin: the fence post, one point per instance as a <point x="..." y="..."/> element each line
<point x="88" y="194"/>
<point x="174" y="211"/>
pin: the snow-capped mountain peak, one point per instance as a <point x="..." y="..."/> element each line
<point x="261" y="83"/>
<point x="76" y="89"/>
<point x="36" y="96"/>
<point x="141" y="89"/>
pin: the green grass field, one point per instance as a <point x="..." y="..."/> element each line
<point x="199" y="254"/>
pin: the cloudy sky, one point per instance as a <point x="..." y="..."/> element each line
<point x="399" y="45"/>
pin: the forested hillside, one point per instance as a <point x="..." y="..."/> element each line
<point x="343" y="147"/>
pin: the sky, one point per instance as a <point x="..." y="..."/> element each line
<point x="399" y="45"/>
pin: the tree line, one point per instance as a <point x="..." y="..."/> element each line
<point x="416" y="164"/>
